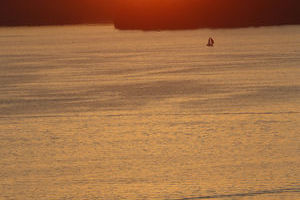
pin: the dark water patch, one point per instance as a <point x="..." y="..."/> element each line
<point x="256" y="96"/>
<point x="11" y="36"/>
<point x="169" y="88"/>
<point x="132" y="96"/>
<point x="239" y="113"/>
<point x="248" y="194"/>
<point x="103" y="97"/>
<point x="271" y="93"/>
<point x="24" y="55"/>
<point x="271" y="121"/>
<point x="15" y="79"/>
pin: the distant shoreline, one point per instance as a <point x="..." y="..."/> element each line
<point x="140" y="29"/>
<point x="202" y="27"/>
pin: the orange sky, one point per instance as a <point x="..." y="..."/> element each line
<point x="190" y="13"/>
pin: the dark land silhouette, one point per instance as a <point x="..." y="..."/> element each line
<point x="151" y="14"/>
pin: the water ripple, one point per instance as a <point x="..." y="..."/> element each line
<point x="255" y="193"/>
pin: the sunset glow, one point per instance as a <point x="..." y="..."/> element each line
<point x="189" y="14"/>
<point x="152" y="14"/>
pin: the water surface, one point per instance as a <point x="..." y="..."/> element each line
<point x="90" y="112"/>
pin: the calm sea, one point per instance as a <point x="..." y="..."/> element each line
<point x="93" y="113"/>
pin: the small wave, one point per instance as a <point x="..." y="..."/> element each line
<point x="255" y="193"/>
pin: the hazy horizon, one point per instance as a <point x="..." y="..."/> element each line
<point x="151" y="14"/>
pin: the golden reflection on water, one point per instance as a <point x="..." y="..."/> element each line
<point x="132" y="116"/>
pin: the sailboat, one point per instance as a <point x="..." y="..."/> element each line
<point x="211" y="42"/>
